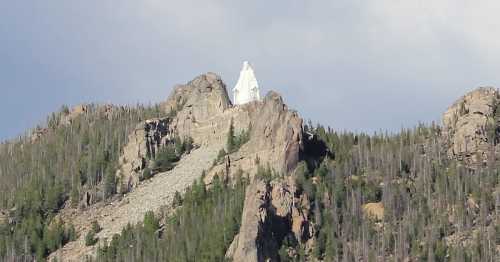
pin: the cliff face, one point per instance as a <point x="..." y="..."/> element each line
<point x="275" y="137"/>
<point x="206" y="116"/>
<point x="470" y="128"/>
<point x="201" y="110"/>
<point x="271" y="213"/>
<point x="146" y="139"/>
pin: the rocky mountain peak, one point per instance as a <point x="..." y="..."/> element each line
<point x="264" y="134"/>
<point x="201" y="110"/>
<point x="206" y="93"/>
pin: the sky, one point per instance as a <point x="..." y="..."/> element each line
<point x="352" y="65"/>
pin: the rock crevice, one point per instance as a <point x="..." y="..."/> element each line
<point x="272" y="212"/>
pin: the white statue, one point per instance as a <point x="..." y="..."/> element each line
<point x="247" y="88"/>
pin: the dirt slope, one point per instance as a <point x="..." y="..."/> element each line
<point x="149" y="195"/>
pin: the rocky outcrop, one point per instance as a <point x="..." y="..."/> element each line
<point x="68" y="117"/>
<point x="272" y="212"/>
<point x="201" y="110"/>
<point x="143" y="144"/>
<point x="470" y="128"/>
<point x="374" y="210"/>
<point x="37" y="134"/>
<point x="203" y="97"/>
<point x="245" y="245"/>
<point x="276" y="137"/>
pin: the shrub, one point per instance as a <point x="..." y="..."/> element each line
<point x="165" y="159"/>
<point x="177" y="199"/>
<point x="220" y="156"/>
<point x="96" y="227"/>
<point x="90" y="238"/>
<point x="151" y="223"/>
<point x="110" y="183"/>
<point x="234" y="142"/>
<point x="146" y="173"/>
<point x="71" y="233"/>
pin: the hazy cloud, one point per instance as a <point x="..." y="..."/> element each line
<point x="359" y="65"/>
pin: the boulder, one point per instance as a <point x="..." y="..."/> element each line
<point x="374" y="210"/>
<point x="467" y="126"/>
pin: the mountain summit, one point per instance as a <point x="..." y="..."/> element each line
<point x="196" y="178"/>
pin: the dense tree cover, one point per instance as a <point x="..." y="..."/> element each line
<point x="202" y="228"/>
<point x="434" y="208"/>
<point x="38" y="177"/>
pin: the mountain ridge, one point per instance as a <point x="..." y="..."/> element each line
<point x="300" y="179"/>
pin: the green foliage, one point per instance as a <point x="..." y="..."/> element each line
<point x="201" y="229"/>
<point x="151" y="223"/>
<point x="147" y="173"/>
<point x="419" y="188"/>
<point x="177" y="202"/>
<point x="95" y="227"/>
<point x="90" y="238"/>
<point x="222" y="153"/>
<point x="182" y="146"/>
<point x="265" y="174"/>
<point x="109" y="182"/>
<point x="38" y="176"/>
<point x="170" y="154"/>
<point x="165" y="159"/>
<point x="231" y="144"/>
<point x="71" y="233"/>
<point x="234" y="142"/>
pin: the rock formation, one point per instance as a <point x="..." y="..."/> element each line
<point x="374" y="210"/>
<point x="143" y="143"/>
<point x="271" y="212"/>
<point x="201" y="110"/>
<point x="68" y="117"/>
<point x="276" y="137"/>
<point x="470" y="127"/>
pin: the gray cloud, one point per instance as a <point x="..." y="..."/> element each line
<point x="357" y="65"/>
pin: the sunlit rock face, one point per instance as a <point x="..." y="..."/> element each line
<point x="471" y="128"/>
<point x="247" y="87"/>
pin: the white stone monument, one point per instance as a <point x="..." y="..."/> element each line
<point x="247" y="88"/>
